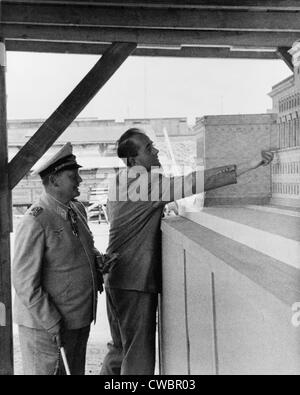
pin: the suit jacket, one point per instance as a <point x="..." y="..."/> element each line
<point x="54" y="270"/>
<point x="135" y="225"/>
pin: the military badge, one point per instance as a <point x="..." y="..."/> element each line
<point x="36" y="211"/>
<point x="58" y="232"/>
<point x="63" y="213"/>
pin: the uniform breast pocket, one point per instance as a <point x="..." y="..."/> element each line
<point x="58" y="233"/>
<point x="56" y="239"/>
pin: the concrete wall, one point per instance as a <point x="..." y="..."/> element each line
<point x="226" y="308"/>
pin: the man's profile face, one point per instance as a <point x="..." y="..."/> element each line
<point x="67" y="184"/>
<point x="147" y="153"/>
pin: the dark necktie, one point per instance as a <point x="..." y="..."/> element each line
<point x="73" y="220"/>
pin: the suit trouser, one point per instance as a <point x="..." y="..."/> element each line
<point x="42" y="357"/>
<point x="132" y="319"/>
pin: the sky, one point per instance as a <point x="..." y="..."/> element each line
<point x="143" y="87"/>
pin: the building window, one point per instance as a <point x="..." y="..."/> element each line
<point x="297" y="132"/>
<point x="294" y="132"/>
<point x="279" y="135"/>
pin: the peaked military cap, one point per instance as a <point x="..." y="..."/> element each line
<point x="62" y="160"/>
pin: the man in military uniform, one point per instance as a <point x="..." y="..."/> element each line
<point x="133" y="284"/>
<point x="54" y="273"/>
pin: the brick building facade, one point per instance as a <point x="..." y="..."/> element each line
<point x="233" y="139"/>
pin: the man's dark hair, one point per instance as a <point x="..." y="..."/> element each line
<point x="126" y="146"/>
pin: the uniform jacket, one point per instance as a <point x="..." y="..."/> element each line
<point x="54" y="270"/>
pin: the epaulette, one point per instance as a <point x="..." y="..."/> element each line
<point x="36" y="211"/>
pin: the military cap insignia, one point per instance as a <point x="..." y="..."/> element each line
<point x="36" y="211"/>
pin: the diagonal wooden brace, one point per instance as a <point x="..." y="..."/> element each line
<point x="67" y="112"/>
<point x="283" y="53"/>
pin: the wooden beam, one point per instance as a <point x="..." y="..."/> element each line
<point x="207" y="52"/>
<point x="66" y="113"/>
<point x="286" y="57"/>
<point x="6" y="335"/>
<point x="233" y="4"/>
<point x="96" y="49"/>
<point x="172" y="18"/>
<point x="149" y="36"/>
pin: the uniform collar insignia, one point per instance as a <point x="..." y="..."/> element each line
<point x="62" y="212"/>
<point x="60" y="208"/>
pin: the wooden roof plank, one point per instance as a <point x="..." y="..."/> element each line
<point x="218" y="4"/>
<point x="149" y="36"/>
<point x="65" y="114"/>
<point x="98" y="49"/>
<point x="83" y="15"/>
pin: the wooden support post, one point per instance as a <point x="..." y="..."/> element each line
<point x="283" y="53"/>
<point x="6" y="335"/>
<point x="57" y="123"/>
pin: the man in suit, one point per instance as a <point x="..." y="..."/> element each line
<point x="54" y="273"/>
<point x="136" y="204"/>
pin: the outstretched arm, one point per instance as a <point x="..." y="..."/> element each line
<point x="219" y="177"/>
<point x="175" y="188"/>
<point x="265" y="160"/>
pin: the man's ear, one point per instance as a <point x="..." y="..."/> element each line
<point x="131" y="161"/>
<point x="53" y="180"/>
